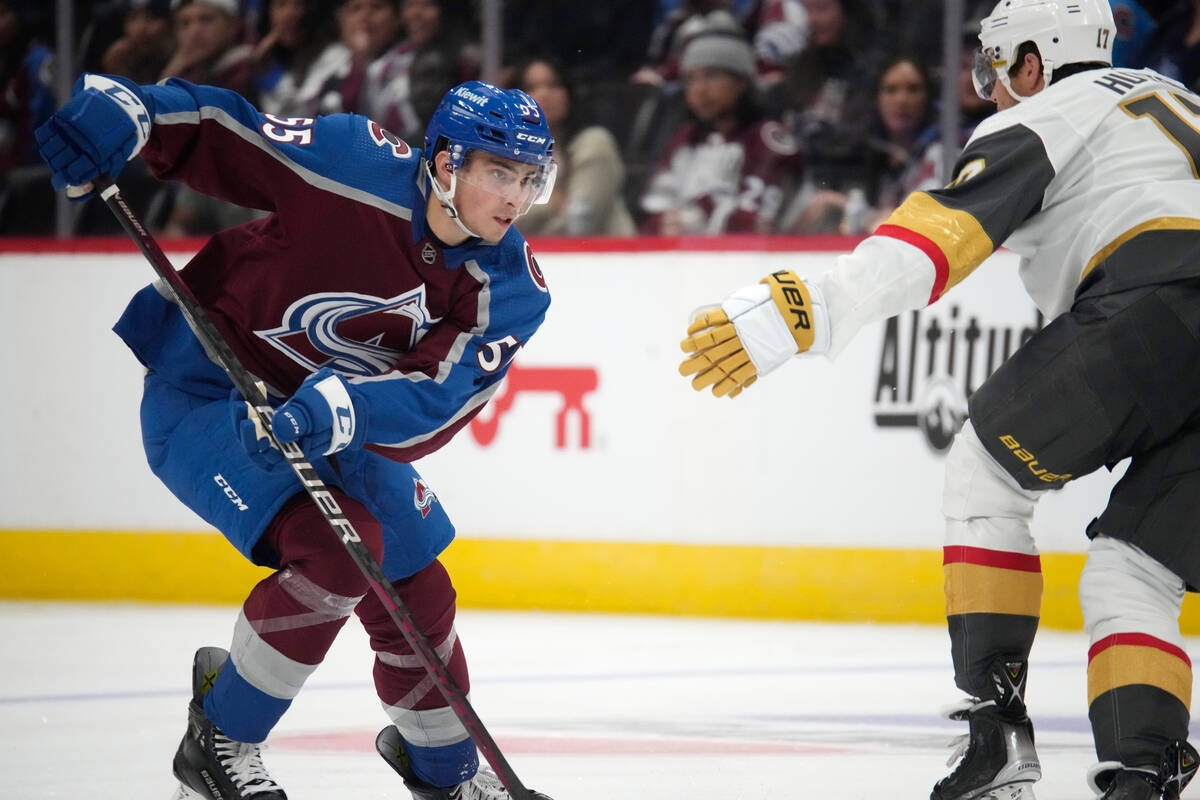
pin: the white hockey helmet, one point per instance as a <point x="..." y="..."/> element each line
<point x="1065" y="32"/>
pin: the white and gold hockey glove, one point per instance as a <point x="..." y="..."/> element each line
<point x="753" y="331"/>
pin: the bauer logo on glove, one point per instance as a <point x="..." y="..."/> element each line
<point x="753" y="331"/>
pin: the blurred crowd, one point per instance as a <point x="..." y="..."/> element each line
<point x="672" y="117"/>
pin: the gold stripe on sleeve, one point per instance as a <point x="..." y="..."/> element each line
<point x="959" y="235"/>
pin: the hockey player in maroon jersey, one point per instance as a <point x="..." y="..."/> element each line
<point x="380" y="302"/>
<point x="1089" y="173"/>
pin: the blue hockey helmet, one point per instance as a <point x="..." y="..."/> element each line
<point x="503" y="122"/>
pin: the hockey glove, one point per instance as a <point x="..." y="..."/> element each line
<point x="321" y="416"/>
<point x="253" y="436"/>
<point x="755" y="329"/>
<point x="102" y="126"/>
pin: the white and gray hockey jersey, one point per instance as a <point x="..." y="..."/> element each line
<point x="1094" y="181"/>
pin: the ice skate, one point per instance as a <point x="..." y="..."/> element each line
<point x="210" y="765"/>
<point x="998" y="758"/>
<point x="1118" y="782"/>
<point x="483" y="786"/>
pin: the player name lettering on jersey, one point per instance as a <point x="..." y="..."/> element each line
<point x="1121" y="81"/>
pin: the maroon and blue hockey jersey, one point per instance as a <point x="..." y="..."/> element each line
<point x="343" y="273"/>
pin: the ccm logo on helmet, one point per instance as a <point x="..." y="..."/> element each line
<point x="525" y="137"/>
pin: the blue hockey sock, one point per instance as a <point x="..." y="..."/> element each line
<point x="446" y="765"/>
<point x="242" y="712"/>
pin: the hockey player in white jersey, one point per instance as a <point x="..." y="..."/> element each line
<point x="1092" y="175"/>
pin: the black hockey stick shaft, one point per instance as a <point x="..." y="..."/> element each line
<point x="255" y="394"/>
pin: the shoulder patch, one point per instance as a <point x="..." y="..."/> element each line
<point x="385" y="138"/>
<point x="535" y="271"/>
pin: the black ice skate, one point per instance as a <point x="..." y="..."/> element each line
<point x="999" y="761"/>
<point x="484" y="786"/>
<point x="210" y="765"/>
<point x="1175" y="771"/>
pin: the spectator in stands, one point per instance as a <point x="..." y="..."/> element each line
<point x="209" y="50"/>
<point x="690" y="19"/>
<point x="404" y="85"/>
<point x="209" y="47"/>
<point x="26" y="101"/>
<point x="1134" y="28"/>
<point x="292" y="34"/>
<point x="729" y="169"/>
<point x="1173" y="49"/>
<point x="826" y="99"/>
<point x="588" y="199"/>
<point x="826" y="91"/>
<point x="367" y="29"/>
<point x="903" y="128"/>
<point x="779" y="31"/>
<point x="26" y="79"/>
<point x="146" y="44"/>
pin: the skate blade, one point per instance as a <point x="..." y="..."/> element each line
<point x="1010" y="791"/>
<point x="184" y="793"/>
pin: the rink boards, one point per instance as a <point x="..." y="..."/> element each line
<point x="597" y="479"/>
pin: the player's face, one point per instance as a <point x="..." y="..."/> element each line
<point x="492" y="192"/>
<point x="1001" y="96"/>
<point x="1026" y="82"/>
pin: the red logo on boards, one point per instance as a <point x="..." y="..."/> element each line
<point x="570" y="383"/>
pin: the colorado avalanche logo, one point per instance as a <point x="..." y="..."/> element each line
<point x="353" y="334"/>
<point x="535" y="271"/>
<point x="423" y="497"/>
<point x="385" y="138"/>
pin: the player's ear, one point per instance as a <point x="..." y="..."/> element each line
<point x="441" y="168"/>
<point x="1033" y="62"/>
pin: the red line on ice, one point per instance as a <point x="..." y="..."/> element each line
<point x="363" y="741"/>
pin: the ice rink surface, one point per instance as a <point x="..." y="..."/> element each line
<point x="585" y="707"/>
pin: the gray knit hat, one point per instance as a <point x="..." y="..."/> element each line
<point x="726" y="51"/>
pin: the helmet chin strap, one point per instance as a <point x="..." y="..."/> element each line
<point x="1047" y="71"/>
<point x="446" y="199"/>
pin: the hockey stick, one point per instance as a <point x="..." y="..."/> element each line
<point x="255" y="394"/>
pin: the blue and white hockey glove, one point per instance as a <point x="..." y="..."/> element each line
<point x="103" y="125"/>
<point x="253" y="436"/>
<point x="321" y="416"/>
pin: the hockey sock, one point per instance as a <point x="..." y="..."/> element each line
<point x="1139" y="690"/>
<point x="447" y="765"/>
<point x="242" y="712"/>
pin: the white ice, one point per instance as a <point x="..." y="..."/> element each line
<point x="585" y="707"/>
